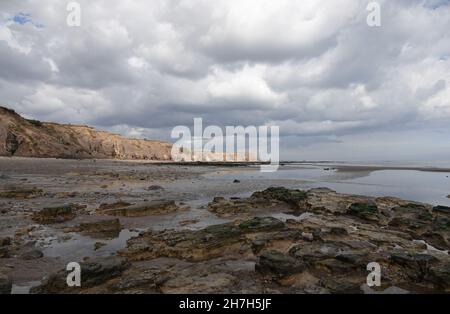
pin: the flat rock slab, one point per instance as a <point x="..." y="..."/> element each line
<point x="58" y="214"/>
<point x="103" y="229"/>
<point x="144" y="209"/>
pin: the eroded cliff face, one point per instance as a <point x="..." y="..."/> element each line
<point x="27" y="138"/>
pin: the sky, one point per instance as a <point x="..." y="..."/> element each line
<point x="337" y="88"/>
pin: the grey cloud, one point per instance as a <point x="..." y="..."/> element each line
<point x="316" y="69"/>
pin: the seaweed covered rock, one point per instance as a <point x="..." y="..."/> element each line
<point x="226" y="208"/>
<point x="93" y="273"/>
<point x="58" y="214"/>
<point x="367" y="211"/>
<point x="411" y="217"/>
<point x="295" y="198"/>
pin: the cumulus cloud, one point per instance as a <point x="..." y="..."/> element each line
<point x="316" y="69"/>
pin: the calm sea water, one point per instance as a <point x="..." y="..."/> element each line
<point x="422" y="186"/>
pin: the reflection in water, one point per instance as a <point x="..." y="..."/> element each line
<point x="415" y="185"/>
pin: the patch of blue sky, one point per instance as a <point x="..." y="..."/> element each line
<point x="24" y="18"/>
<point x="435" y="4"/>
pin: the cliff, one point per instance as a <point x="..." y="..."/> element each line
<point x="30" y="138"/>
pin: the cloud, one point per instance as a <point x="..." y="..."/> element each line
<point x="314" y="68"/>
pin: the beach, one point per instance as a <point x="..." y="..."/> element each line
<point x="214" y="228"/>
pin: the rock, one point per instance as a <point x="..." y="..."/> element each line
<point x="338" y="231"/>
<point x="260" y="224"/>
<point x="5" y="243"/>
<point x="144" y="209"/>
<point x="98" y="245"/>
<point x="341" y="286"/>
<point x="188" y="222"/>
<point x="442" y="209"/>
<point x="317" y="251"/>
<point x="257" y="245"/>
<point x="308" y="236"/>
<point x="418" y="264"/>
<point x="441" y="223"/>
<point x="21" y="193"/>
<point x="31" y="254"/>
<point x="354" y="258"/>
<point x="213" y="241"/>
<point x="294" y="198"/>
<point x="366" y="211"/>
<point x="236" y="181"/>
<point x="51" y="215"/>
<point x="12" y="143"/>
<point x="411" y="216"/>
<point x="436" y="240"/>
<point x="226" y="208"/>
<point x="119" y="204"/>
<point x="155" y="188"/>
<point x="219" y="199"/>
<point x="440" y="275"/>
<point x="104" y="229"/>
<point x="93" y="272"/>
<point x="5" y="284"/>
<point x="274" y="262"/>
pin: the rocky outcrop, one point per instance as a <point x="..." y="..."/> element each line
<point x="93" y="273"/>
<point x="51" y="215"/>
<point x="271" y="198"/>
<point x="214" y="241"/>
<point x="31" y="138"/>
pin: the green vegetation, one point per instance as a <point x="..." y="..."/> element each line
<point x="36" y="123"/>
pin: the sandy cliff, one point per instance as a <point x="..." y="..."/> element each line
<point x="29" y="138"/>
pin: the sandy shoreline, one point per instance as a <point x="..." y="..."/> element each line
<point x="348" y="167"/>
